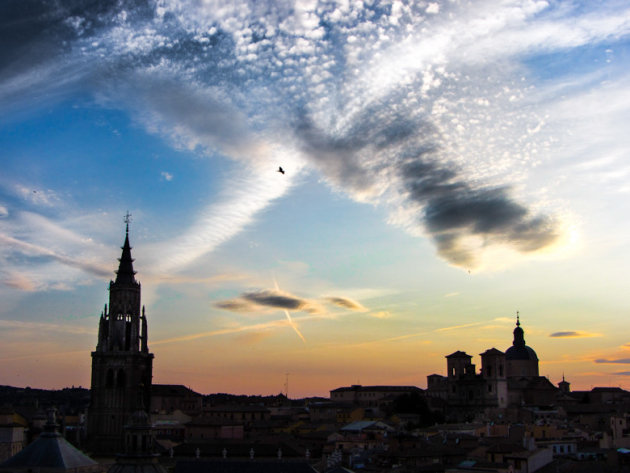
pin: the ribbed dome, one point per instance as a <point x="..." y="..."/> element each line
<point x="520" y="353"/>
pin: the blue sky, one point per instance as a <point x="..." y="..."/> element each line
<point x="447" y="163"/>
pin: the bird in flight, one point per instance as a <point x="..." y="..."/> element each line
<point x="280" y="170"/>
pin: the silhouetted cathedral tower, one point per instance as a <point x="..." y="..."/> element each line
<point x="121" y="364"/>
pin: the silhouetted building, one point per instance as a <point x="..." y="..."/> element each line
<point x="171" y="397"/>
<point x="505" y="379"/>
<point x="50" y="453"/>
<point x="242" y="466"/>
<point x="466" y="390"/>
<point x="121" y="364"/>
<point x="374" y="398"/>
<point x="12" y="433"/>
<point x="564" y="386"/>
<point x="138" y="456"/>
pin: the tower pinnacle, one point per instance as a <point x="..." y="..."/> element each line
<point x="125" y="273"/>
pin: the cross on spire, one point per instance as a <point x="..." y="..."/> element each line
<point x="127" y="219"/>
<point x="518" y="321"/>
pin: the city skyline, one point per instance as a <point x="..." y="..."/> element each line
<point x="446" y="164"/>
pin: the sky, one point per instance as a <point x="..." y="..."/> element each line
<point x="446" y="164"/>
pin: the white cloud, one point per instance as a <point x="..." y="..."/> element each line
<point x="254" y="72"/>
<point x="433" y="8"/>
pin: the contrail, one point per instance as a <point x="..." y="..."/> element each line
<point x="293" y="324"/>
<point x="226" y="331"/>
<point x="417" y="334"/>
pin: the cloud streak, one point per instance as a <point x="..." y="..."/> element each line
<point x="618" y="361"/>
<point x="346" y="303"/>
<point x="574" y="334"/>
<point x="32" y="250"/>
<point x="42" y="327"/>
<point x="269" y="299"/>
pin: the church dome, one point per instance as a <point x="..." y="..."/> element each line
<point x="520" y="353"/>
<point x="519" y="350"/>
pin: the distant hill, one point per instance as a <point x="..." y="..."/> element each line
<point x="222" y="399"/>
<point x="68" y="400"/>
<point x="75" y="399"/>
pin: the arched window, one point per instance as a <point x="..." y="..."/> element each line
<point x="121" y="381"/>
<point x="109" y="379"/>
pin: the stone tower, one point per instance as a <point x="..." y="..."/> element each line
<point x="494" y="374"/>
<point x="121" y="364"/>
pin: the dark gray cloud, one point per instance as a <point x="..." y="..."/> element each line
<point x="336" y="156"/>
<point x="564" y="334"/>
<point x="406" y="150"/>
<point x="234" y="305"/>
<point x="572" y="334"/>
<point x="345" y="303"/>
<point x="252" y="301"/>
<point x="618" y="361"/>
<point x="453" y="210"/>
<point x="275" y="299"/>
<point x="622" y="373"/>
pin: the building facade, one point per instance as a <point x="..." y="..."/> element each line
<point x="121" y="364"/>
<point x="505" y="379"/>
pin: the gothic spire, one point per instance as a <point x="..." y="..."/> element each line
<point x="125" y="273"/>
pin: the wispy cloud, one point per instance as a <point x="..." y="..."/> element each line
<point x="42" y="327"/>
<point x="249" y="193"/>
<point x="43" y="355"/>
<point x="279" y="323"/>
<point x="504" y="319"/>
<point x="40" y="197"/>
<point x="18" y="281"/>
<point x="346" y="303"/>
<point x="618" y="361"/>
<point x="30" y="249"/>
<point x="457" y="327"/>
<point x="419" y="334"/>
<point x="236" y="305"/>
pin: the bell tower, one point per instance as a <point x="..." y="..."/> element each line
<point x="121" y="364"/>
